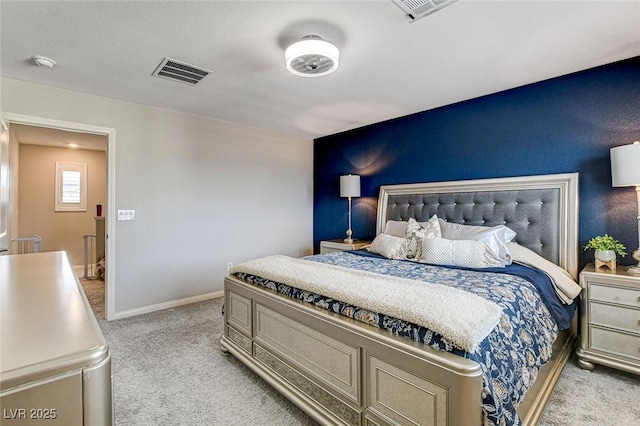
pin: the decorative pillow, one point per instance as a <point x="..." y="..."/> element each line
<point x="465" y="253"/>
<point x="389" y="246"/>
<point x="495" y="237"/>
<point x="395" y="228"/>
<point x="416" y="232"/>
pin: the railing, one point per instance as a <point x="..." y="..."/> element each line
<point x="27" y="244"/>
<point x="89" y="253"/>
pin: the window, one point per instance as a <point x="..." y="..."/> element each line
<point x="71" y="187"/>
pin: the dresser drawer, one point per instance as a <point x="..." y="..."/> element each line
<point x="623" y="296"/>
<point x="615" y="343"/>
<point x="615" y="316"/>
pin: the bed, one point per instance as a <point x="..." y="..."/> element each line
<point x="342" y="370"/>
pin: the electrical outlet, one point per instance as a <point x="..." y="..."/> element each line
<point x="229" y="265"/>
<point x="126" y="214"/>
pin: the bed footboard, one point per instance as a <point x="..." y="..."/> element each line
<point x="342" y="372"/>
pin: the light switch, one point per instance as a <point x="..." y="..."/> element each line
<point x="126" y="214"/>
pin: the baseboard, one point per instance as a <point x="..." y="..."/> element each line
<point x="168" y="305"/>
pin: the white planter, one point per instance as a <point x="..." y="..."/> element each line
<point x="605" y="255"/>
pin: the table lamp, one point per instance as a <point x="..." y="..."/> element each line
<point x="349" y="187"/>
<point x="625" y="171"/>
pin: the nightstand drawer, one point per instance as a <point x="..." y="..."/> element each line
<point x="325" y="250"/>
<point x="615" y="316"/>
<point x="329" y="246"/>
<point x="615" y="343"/>
<point x="619" y="295"/>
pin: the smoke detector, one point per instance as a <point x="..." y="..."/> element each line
<point x="312" y="57"/>
<point x="43" y="61"/>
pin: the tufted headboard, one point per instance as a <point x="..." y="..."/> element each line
<point x="542" y="210"/>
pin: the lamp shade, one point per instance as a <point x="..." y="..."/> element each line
<point x="625" y="165"/>
<point x="350" y="186"/>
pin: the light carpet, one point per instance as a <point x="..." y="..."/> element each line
<point x="168" y="369"/>
<point x="94" y="290"/>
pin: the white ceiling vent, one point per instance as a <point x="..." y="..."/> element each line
<point x="417" y="9"/>
<point x="180" y="71"/>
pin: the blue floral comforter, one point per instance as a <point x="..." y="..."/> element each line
<point x="512" y="353"/>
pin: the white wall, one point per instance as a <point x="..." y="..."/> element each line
<point x="205" y="191"/>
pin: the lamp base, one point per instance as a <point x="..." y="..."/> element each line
<point x="349" y="240"/>
<point x="634" y="269"/>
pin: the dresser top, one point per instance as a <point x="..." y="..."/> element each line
<point x="46" y="323"/>
<point x="620" y="272"/>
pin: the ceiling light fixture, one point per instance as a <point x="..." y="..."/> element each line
<point x="43" y="61"/>
<point x="312" y="57"/>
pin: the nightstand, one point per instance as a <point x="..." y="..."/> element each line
<point x="609" y="319"/>
<point x="329" y="246"/>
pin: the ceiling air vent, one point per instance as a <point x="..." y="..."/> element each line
<point x="180" y="71"/>
<point x="417" y="9"/>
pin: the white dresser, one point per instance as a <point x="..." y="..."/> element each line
<point x="609" y="319"/>
<point x="55" y="365"/>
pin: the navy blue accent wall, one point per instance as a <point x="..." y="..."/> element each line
<point x="566" y="124"/>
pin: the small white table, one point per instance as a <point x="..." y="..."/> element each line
<point x="609" y="319"/>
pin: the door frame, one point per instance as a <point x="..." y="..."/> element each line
<point x="110" y="230"/>
<point x="5" y="198"/>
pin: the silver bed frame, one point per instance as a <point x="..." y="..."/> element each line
<point x="343" y="372"/>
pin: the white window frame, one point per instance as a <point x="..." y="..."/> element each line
<point x="61" y="167"/>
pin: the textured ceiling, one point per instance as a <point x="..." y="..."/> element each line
<point x="388" y="67"/>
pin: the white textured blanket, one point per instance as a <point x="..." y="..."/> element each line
<point x="462" y="317"/>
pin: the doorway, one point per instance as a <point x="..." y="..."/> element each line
<point x="22" y="122"/>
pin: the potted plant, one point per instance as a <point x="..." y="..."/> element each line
<point x="606" y="248"/>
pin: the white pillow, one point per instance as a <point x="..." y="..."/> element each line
<point x="495" y="237"/>
<point x="415" y="232"/>
<point x="395" y="228"/>
<point x="566" y="288"/>
<point x="465" y="253"/>
<point x="389" y="246"/>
